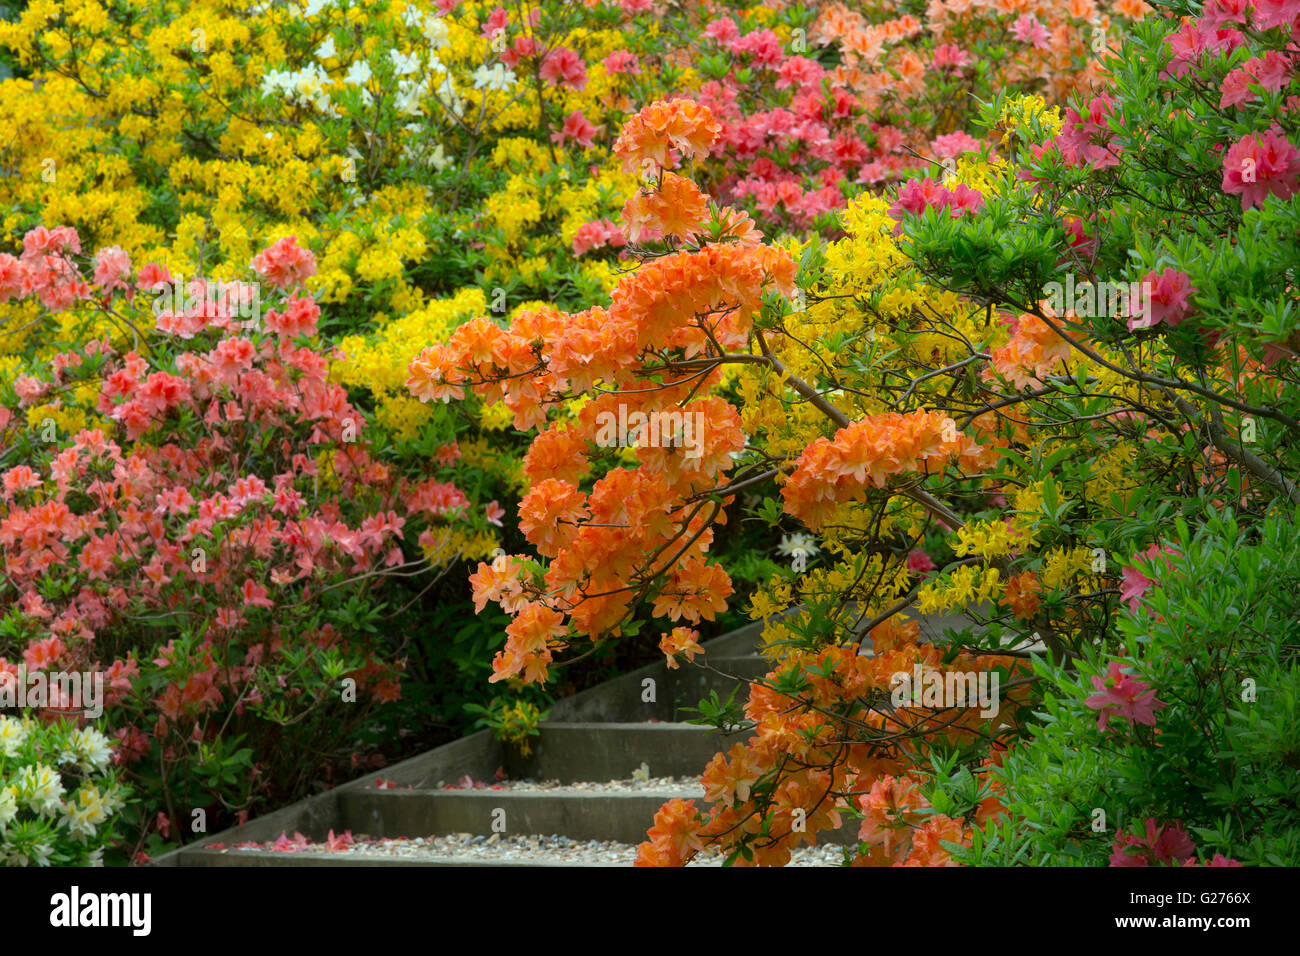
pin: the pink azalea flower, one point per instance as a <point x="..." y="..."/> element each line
<point x="1136" y="584"/>
<point x="494" y="512"/>
<point x="1257" y="168"/>
<point x="1084" y="138"/>
<point x="285" y="264"/>
<point x="1272" y="71"/>
<point x="951" y="58"/>
<point x="577" y="128"/>
<point x="954" y="144"/>
<point x="589" y="236"/>
<point x="1029" y="29"/>
<point x="1121" y="695"/>
<point x="1160" y="845"/>
<point x="622" y="61"/>
<point x="564" y="67"/>
<point x="254" y="594"/>
<point x="112" y="268"/>
<point x="1169" y="293"/>
<point x="799" y="72"/>
<point x="723" y="30"/>
<point x="918" y="562"/>
<point x="1276" y="13"/>
<point x="1218" y="12"/>
<point x="496" y="21"/>
<point x="340" y="842"/>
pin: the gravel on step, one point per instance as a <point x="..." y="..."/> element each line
<point x="544" y="850"/>
<point x="633" y="785"/>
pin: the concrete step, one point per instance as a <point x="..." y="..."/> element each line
<point x="693" y="682"/>
<point x="579" y="815"/>
<point x="571" y="753"/>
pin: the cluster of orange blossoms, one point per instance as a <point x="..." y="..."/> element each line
<point x="867" y="452"/>
<point x="792" y="778"/>
<point x="677" y="208"/>
<point x="1034" y="350"/>
<point x="664" y="133"/>
<point x="636" y="526"/>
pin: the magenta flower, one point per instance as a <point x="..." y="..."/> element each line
<point x="918" y="562"/>
<point x="1121" y="695"/>
<point x="1136" y="584"/>
<point x="1169" y="293"/>
<point x="1029" y="29"/>
<point x="950" y="57"/>
<point x="1161" y="845"/>
<point x="1258" y="167"/>
<point x="1085" y="138"/>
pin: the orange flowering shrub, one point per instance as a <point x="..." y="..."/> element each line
<point x="621" y="534"/>
<point x="644" y="364"/>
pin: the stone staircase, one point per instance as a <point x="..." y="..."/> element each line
<point x="627" y="728"/>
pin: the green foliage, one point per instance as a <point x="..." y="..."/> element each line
<point x="1217" y="638"/>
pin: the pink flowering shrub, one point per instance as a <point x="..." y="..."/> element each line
<point x="216" y="544"/>
<point x="867" y="96"/>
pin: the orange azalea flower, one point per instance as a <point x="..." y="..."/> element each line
<point x="927" y="848"/>
<point x="480" y="342"/>
<point x="558" y="452"/>
<point x="1022" y="595"/>
<point x="682" y="640"/>
<point x="528" y="640"/>
<point x="1133" y="9"/>
<point x="695" y="590"/>
<point x="1032" y="352"/>
<point x="497" y="582"/>
<point x="594" y="345"/>
<point x="675" y="836"/>
<point x="893" y="633"/>
<point x="738" y="226"/>
<point x="889" y="807"/>
<point x="545" y="510"/>
<point x="680" y="124"/>
<point x="676" y="208"/>
<point x="867" y="452"/>
<point x="728" y="780"/>
<point x="434" y="376"/>
<point x="722" y="284"/>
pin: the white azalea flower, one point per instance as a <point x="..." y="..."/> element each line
<point x="12" y="735"/>
<point x="92" y="749"/>
<point x="404" y="64"/>
<point x="494" y="77"/>
<point x="41" y="788"/>
<point x="798" y="544"/>
<point x="276" y="82"/>
<point x="359" y="73"/>
<point x="8" y="805"/>
<point x="435" y="31"/>
<point x="449" y="97"/>
<point x="409" y="94"/>
<point x="326" y="50"/>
